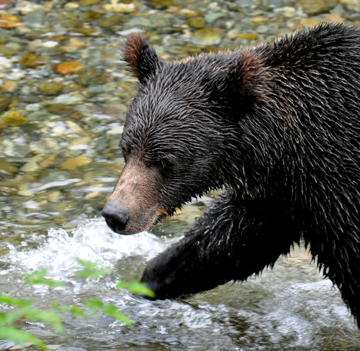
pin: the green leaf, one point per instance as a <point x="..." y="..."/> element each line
<point x="49" y="317"/>
<point x="53" y="319"/>
<point x="38" y="277"/>
<point x="9" y="317"/>
<point x="20" y="337"/>
<point x="83" y="274"/>
<point x="109" y="309"/>
<point x="77" y="311"/>
<point x="92" y="274"/>
<point x="112" y="311"/>
<point x="88" y="265"/>
<point x="90" y="271"/>
<point x="71" y="309"/>
<point x="93" y="304"/>
<point x="135" y="287"/>
<point x="14" y="301"/>
<point x="57" y="306"/>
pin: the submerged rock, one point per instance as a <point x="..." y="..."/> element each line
<point x="125" y="8"/>
<point x="313" y="7"/>
<point x="30" y="60"/>
<point x="69" y="99"/>
<point x="9" y="21"/>
<point x="113" y="20"/>
<point x="31" y="166"/>
<point x="51" y="88"/>
<point x="68" y="67"/>
<point x="351" y="5"/>
<point x="14" y="118"/>
<point x="6" y="167"/>
<point x="212" y="17"/>
<point x="206" y="37"/>
<point x="4" y="103"/>
<point x="196" y="22"/>
<point x="258" y="21"/>
<point x="89" y="75"/>
<point x="75" y="162"/>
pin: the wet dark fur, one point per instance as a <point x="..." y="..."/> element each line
<point x="279" y="126"/>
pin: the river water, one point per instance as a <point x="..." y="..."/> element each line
<point x="288" y="308"/>
<point x="63" y="99"/>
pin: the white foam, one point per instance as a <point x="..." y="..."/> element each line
<point x="92" y="241"/>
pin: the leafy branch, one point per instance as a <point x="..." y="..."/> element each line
<point x="23" y="310"/>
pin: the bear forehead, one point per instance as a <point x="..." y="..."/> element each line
<point x="181" y="86"/>
<point x="167" y="122"/>
<point x="195" y="70"/>
<point x="168" y="98"/>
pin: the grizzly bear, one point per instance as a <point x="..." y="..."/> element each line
<point x="277" y="127"/>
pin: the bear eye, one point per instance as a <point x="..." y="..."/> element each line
<point x="166" y="163"/>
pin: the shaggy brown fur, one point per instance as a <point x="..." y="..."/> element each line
<point x="278" y="126"/>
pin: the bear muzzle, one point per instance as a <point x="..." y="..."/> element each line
<point x="133" y="206"/>
<point x="116" y="218"/>
<point x="122" y="220"/>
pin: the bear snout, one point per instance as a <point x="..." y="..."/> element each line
<point x="116" y="218"/>
<point x="133" y="206"/>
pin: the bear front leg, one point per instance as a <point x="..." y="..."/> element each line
<point x="234" y="239"/>
<point x="338" y="254"/>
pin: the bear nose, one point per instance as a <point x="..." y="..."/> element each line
<point x="116" y="218"/>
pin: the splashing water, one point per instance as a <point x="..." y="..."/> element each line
<point x="289" y="308"/>
<point x="92" y="241"/>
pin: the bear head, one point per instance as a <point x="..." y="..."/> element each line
<point x="180" y="130"/>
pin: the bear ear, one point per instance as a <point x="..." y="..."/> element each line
<point x="240" y="82"/>
<point x="141" y="58"/>
<point x="249" y="71"/>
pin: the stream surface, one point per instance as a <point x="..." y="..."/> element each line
<point x="288" y="308"/>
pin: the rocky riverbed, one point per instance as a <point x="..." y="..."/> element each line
<point x="64" y="92"/>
